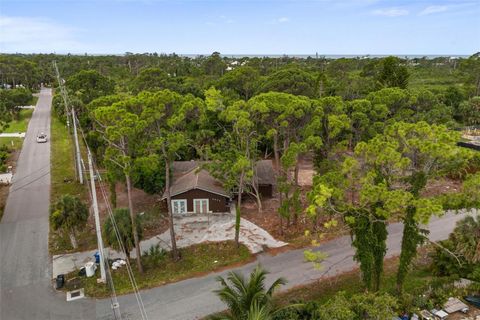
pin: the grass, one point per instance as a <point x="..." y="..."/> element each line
<point x="62" y="163"/>
<point x="20" y="124"/>
<point x="17" y="143"/>
<point x="436" y="78"/>
<point x="63" y="182"/>
<point x="33" y="101"/>
<point x="196" y="260"/>
<point x="417" y="281"/>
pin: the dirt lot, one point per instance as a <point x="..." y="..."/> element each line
<point x="292" y="232"/>
<point x="154" y="221"/>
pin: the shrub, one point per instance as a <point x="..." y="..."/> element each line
<point x="154" y="256"/>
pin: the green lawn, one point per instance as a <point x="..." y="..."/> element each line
<point x="63" y="182"/>
<point x="17" y="143"/>
<point x="62" y="163"/>
<point x="196" y="260"/>
<point x="21" y="124"/>
<point x="34" y="101"/>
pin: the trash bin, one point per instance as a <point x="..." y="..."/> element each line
<point x="90" y="268"/>
<point x="60" y="281"/>
<point x="97" y="257"/>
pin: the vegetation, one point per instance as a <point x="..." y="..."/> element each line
<point x="20" y="124"/>
<point x="344" y="295"/>
<point x="9" y="101"/>
<point x="459" y="255"/>
<point x="69" y="214"/>
<point x="381" y="130"/>
<point x="247" y="299"/>
<point x="124" y="227"/>
<point x="196" y="260"/>
<point x="63" y="182"/>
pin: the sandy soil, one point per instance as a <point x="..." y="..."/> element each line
<point x="154" y="223"/>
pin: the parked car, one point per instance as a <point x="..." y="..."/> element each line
<point x="41" y="137"/>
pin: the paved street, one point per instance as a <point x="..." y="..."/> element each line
<point x="193" y="298"/>
<point x="25" y="289"/>
<point x="25" y="268"/>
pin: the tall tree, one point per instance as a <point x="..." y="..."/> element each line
<point x="242" y="79"/>
<point x="88" y="85"/>
<point x="169" y="118"/>
<point x="121" y="128"/>
<point x="235" y="155"/>
<point x="392" y="73"/>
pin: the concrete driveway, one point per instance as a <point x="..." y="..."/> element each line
<point x="189" y="230"/>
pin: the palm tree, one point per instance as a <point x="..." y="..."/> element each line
<point x="247" y="299"/>
<point x="69" y="214"/>
<point x="466" y="237"/>
<point x="124" y="225"/>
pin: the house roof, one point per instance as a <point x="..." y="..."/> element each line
<point x="454" y="305"/>
<point x="188" y="175"/>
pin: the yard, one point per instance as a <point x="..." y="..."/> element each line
<point x="196" y="260"/>
<point x="21" y="123"/>
<point x="63" y="182"/>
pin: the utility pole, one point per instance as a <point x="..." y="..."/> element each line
<point x="63" y="91"/>
<point x="97" y="219"/>
<point x="64" y="94"/>
<point x="77" y="147"/>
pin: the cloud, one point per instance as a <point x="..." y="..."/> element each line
<point x="391" y="12"/>
<point x="433" y="9"/>
<point x="34" y="34"/>
<point x="278" y="21"/>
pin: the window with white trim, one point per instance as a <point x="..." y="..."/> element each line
<point x="179" y="206"/>
<point x="200" y="205"/>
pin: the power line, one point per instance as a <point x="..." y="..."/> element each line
<point x="92" y="193"/>
<point x="130" y="273"/>
<point x="71" y="112"/>
<point x="113" y="297"/>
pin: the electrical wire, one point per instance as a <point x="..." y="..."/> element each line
<point x="115" y="227"/>
<point x="113" y="297"/>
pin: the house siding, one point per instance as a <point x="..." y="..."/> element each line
<point x="216" y="202"/>
<point x="265" y="190"/>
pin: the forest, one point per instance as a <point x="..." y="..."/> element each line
<point x="380" y="131"/>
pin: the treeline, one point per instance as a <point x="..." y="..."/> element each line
<point x="375" y="155"/>
<point x="313" y="77"/>
<point x="377" y="142"/>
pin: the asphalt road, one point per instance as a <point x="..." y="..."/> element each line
<point x="25" y="267"/>
<point x="193" y="298"/>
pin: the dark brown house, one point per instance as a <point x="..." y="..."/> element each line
<point x="194" y="190"/>
<point x="265" y="178"/>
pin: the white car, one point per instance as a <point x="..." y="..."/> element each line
<point x="41" y="138"/>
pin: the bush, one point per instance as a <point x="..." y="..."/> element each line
<point x="308" y="310"/>
<point x="154" y="256"/>
<point x="3" y="158"/>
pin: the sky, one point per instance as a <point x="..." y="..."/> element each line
<point x="419" y="27"/>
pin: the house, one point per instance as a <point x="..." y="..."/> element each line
<point x="265" y="178"/>
<point x="195" y="190"/>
